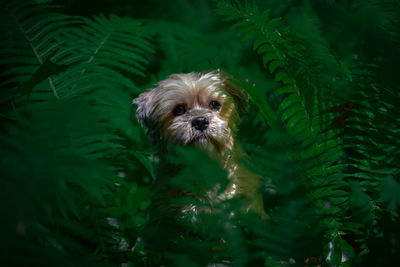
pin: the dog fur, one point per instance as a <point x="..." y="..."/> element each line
<point x="202" y="109"/>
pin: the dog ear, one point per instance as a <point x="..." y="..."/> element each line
<point x="232" y="86"/>
<point x="144" y="113"/>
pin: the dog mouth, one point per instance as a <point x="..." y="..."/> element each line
<point x="202" y="139"/>
<point x="206" y="142"/>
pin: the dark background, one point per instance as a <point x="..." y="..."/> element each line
<point x="79" y="175"/>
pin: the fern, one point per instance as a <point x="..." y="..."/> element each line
<point x="320" y="149"/>
<point x="318" y="139"/>
<point x="268" y="41"/>
<point x="81" y="183"/>
<point x="69" y="122"/>
<point x="29" y="41"/>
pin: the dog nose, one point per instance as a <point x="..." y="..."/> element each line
<point x="200" y="123"/>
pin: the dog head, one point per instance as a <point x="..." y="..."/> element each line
<point x="197" y="108"/>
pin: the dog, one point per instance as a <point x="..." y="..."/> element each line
<point x="202" y="109"/>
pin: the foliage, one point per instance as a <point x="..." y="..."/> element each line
<point x="81" y="183"/>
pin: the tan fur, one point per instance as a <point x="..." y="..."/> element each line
<point x="195" y="90"/>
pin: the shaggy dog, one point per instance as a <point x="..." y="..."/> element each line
<point x="202" y="109"/>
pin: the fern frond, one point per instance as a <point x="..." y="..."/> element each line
<point x="291" y="62"/>
<point x="372" y="127"/>
<point x="68" y="87"/>
<point x="114" y="42"/>
<point x="29" y="40"/>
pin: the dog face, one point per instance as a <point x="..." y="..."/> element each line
<point x="196" y="108"/>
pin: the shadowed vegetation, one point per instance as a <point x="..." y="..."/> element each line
<point x="78" y="174"/>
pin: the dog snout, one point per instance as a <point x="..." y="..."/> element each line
<point x="200" y="123"/>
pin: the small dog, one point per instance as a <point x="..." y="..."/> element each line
<point x="202" y="109"/>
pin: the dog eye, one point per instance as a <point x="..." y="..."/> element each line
<point x="179" y="110"/>
<point x="215" y="105"/>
